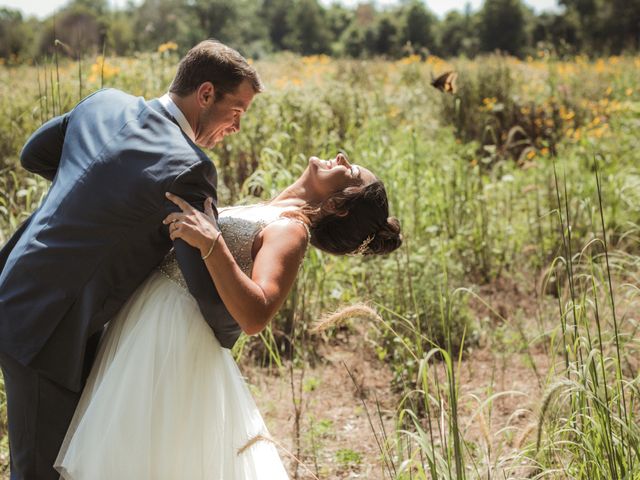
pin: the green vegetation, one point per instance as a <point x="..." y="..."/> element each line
<point x="347" y="457"/>
<point x="530" y="171"/>
<point x="260" y="27"/>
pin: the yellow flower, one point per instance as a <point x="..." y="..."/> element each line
<point x="168" y="46"/>
<point x="544" y="152"/>
<point x="101" y="68"/>
<point x="598" y="132"/>
<point x="488" y="103"/>
<point x="316" y="59"/>
<point x="628" y="92"/>
<point x="437" y="63"/>
<point x="409" y="60"/>
<point x="531" y="154"/>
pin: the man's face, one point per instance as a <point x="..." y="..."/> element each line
<point x="222" y="117"/>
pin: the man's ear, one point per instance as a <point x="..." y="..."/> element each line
<point x="206" y="94"/>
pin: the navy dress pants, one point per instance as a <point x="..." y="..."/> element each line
<point x="39" y="412"/>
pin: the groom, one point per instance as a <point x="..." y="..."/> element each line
<point x="98" y="234"/>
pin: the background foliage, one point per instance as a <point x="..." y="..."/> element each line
<point x="494" y="183"/>
<point x="527" y="177"/>
<point x="260" y="27"/>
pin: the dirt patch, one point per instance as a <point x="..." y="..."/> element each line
<point x="335" y="439"/>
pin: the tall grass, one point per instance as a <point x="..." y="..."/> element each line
<point x="496" y="182"/>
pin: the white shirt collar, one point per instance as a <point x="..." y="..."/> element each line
<point x="175" y="111"/>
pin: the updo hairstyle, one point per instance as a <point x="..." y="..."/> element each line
<point x="356" y="221"/>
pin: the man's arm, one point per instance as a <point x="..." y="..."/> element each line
<point x="196" y="185"/>
<point x="41" y="154"/>
<point x="8" y="247"/>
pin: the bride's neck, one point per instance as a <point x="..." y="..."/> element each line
<point x="296" y="195"/>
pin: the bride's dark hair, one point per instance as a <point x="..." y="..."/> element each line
<point x="355" y="221"/>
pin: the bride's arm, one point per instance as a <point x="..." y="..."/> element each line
<point x="251" y="301"/>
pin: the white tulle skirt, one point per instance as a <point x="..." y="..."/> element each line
<point x="165" y="401"/>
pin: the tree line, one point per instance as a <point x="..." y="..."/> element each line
<point x="260" y="27"/>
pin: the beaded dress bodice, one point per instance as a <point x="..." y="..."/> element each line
<point x="239" y="227"/>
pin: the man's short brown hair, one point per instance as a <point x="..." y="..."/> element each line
<point x="212" y="61"/>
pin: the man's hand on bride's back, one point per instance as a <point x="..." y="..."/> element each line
<point x="196" y="228"/>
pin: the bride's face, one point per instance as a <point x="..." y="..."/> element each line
<point x="331" y="176"/>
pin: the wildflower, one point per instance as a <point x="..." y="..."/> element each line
<point x="531" y="154"/>
<point x="628" y="91"/>
<point x="437" y="63"/>
<point x="102" y="69"/>
<point x="316" y="59"/>
<point x="489" y="102"/>
<point x="409" y="60"/>
<point x="168" y="46"/>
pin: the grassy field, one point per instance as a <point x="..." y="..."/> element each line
<point x="519" y="197"/>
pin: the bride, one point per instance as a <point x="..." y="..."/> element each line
<point x="164" y="400"/>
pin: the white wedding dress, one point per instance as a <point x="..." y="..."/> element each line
<point x="164" y="401"/>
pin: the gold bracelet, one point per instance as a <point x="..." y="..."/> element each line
<point x="213" y="244"/>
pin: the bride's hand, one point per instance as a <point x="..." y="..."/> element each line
<point x="196" y="228"/>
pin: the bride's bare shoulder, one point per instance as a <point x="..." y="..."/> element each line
<point x="285" y="236"/>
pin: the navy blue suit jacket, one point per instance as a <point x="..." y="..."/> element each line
<point x="98" y="233"/>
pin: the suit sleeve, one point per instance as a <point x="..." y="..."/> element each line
<point x="41" y="154"/>
<point x="195" y="185"/>
<point x="8" y="247"/>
